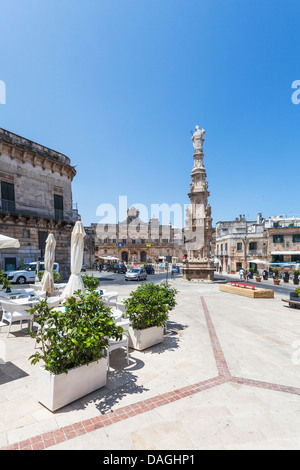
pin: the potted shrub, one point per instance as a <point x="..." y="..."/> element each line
<point x="72" y="348"/>
<point x="296" y="277"/>
<point x="251" y="272"/>
<point x="296" y="294"/>
<point x="148" y="310"/>
<point x="90" y="282"/>
<point x="56" y="276"/>
<point x="276" y="278"/>
<point x="257" y="277"/>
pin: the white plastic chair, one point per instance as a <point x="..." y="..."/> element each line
<point x="117" y="314"/>
<point x="54" y="301"/>
<point x="36" y="287"/>
<point x="13" y="313"/>
<point x="41" y="294"/>
<point x="111" y="298"/>
<point x="116" y="344"/>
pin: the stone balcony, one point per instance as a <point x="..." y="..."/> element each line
<point x="17" y="208"/>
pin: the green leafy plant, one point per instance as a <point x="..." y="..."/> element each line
<point x="22" y="264"/>
<point x="256" y="274"/>
<point x="56" y="276"/>
<point x="296" y="272"/>
<point x="276" y="273"/>
<point x="4" y="281"/>
<point x="149" y="305"/>
<point x="75" y="337"/>
<point x="297" y="291"/>
<point x="90" y="282"/>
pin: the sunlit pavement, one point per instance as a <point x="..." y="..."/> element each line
<point x="225" y="377"/>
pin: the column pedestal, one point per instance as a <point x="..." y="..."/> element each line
<point x="203" y="270"/>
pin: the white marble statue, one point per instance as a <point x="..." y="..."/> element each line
<point x="198" y="138"/>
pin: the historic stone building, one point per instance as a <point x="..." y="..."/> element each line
<point x="239" y="243"/>
<point x="283" y="239"/>
<point x="134" y="241"/>
<point x="36" y="197"/>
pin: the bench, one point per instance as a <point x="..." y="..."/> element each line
<point x="247" y="290"/>
<point x="292" y="303"/>
<point x="240" y="284"/>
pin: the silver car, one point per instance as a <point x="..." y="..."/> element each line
<point x="136" y="274"/>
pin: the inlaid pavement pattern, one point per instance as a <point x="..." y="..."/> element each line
<point x="225" y="377"/>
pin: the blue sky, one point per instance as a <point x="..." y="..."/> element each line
<point x="117" y="85"/>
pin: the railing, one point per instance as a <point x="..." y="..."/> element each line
<point x="58" y="214"/>
<point x="255" y="252"/>
<point x="8" y="206"/>
<point x="27" y="209"/>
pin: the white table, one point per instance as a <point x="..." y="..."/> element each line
<point x="25" y="301"/>
<point x="10" y="295"/>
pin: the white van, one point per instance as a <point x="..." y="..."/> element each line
<point x="27" y="275"/>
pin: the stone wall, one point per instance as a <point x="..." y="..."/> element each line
<point x="37" y="173"/>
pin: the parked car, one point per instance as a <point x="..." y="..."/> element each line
<point x="149" y="269"/>
<point x="117" y="268"/>
<point x="27" y="275"/>
<point x="136" y="274"/>
<point x="175" y="269"/>
<point x="109" y="267"/>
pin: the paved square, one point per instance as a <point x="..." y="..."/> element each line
<point x="225" y="377"/>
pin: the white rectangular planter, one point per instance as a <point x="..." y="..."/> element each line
<point x="56" y="391"/>
<point x="143" y="339"/>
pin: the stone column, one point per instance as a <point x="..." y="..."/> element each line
<point x="198" y="230"/>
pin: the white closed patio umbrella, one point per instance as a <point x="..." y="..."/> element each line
<point x="75" y="282"/>
<point x="8" y="242"/>
<point x="47" y="279"/>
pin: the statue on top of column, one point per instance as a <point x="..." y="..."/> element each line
<point x="198" y="138"/>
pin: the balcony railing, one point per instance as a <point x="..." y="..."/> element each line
<point x="28" y="209"/>
<point x="58" y="214"/>
<point x="8" y="206"/>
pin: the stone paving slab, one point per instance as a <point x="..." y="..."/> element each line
<point x="222" y="378"/>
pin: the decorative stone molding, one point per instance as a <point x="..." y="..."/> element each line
<point x="25" y="151"/>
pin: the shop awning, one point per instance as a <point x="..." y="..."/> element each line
<point x="285" y="252"/>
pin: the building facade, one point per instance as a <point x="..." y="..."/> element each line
<point x="238" y="242"/>
<point x="134" y="241"/>
<point x="283" y="239"/>
<point x="275" y="241"/>
<point x="35" y="198"/>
